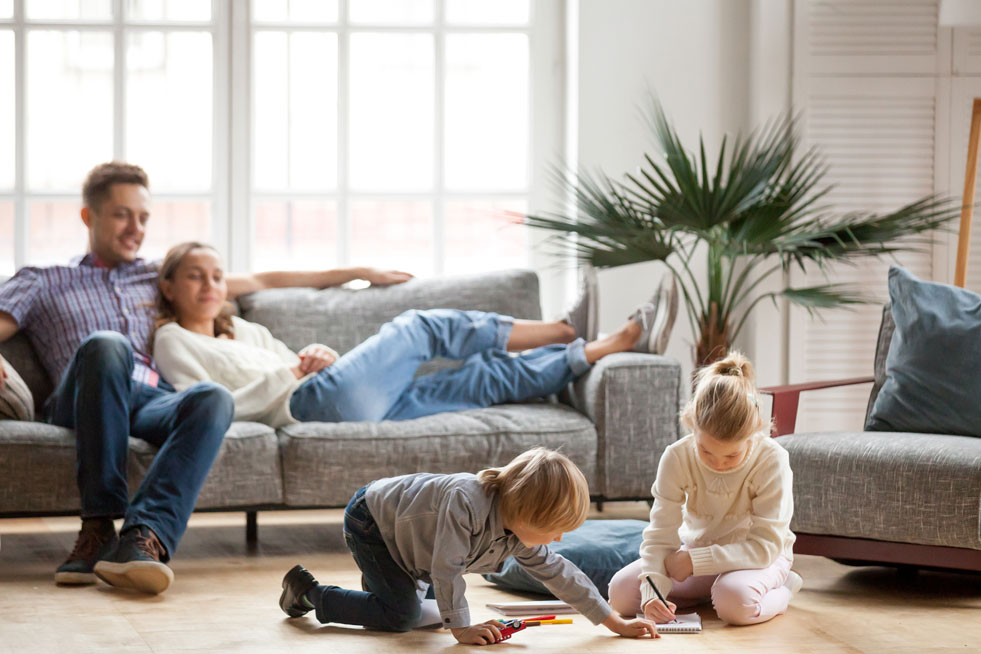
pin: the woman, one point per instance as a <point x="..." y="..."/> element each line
<point x="198" y="339"/>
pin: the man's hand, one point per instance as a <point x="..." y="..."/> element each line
<point x="385" y="277"/>
<point x="314" y="358"/>
<point x="678" y="565"/>
<point x="630" y="628"/>
<point x="485" y="633"/>
<point x="658" y="613"/>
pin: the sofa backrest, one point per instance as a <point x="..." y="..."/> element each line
<point x="886" y="328"/>
<point x="343" y="318"/>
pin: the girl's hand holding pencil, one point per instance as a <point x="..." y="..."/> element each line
<point x="658" y="612"/>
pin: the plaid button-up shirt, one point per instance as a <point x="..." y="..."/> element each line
<point x="59" y="306"/>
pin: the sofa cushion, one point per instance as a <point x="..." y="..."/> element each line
<point x="932" y="383"/>
<point x="600" y="548"/>
<point x="247" y="471"/>
<point x="16" y="401"/>
<point x="903" y="487"/>
<point x="343" y="318"/>
<point x="37" y="468"/>
<point x="325" y="463"/>
<point x="19" y="352"/>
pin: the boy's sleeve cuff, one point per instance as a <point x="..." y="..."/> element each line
<point x="457" y="619"/>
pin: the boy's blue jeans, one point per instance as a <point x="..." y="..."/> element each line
<point x="389" y="601"/>
<point x="376" y="380"/>
<point x="100" y="400"/>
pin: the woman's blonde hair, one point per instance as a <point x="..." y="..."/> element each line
<point x="165" y="309"/>
<point x="725" y="404"/>
<point x="541" y="489"/>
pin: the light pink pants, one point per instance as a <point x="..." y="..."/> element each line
<point x="739" y="597"/>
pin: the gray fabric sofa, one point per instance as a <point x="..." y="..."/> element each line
<point x="882" y="497"/>
<point x="614" y="422"/>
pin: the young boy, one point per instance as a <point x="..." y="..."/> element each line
<point x="435" y="528"/>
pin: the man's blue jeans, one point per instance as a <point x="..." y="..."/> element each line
<point x="100" y="400"/>
<point x="389" y="601"/>
<point x="376" y="380"/>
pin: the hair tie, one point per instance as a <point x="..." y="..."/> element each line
<point x="753" y="397"/>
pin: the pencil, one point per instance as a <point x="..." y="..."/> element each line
<point x="538" y="623"/>
<point x="657" y="592"/>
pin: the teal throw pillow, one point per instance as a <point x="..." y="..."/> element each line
<point x="599" y="548"/>
<point x="932" y="383"/>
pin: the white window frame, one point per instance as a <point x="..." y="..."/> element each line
<point x="546" y="122"/>
<point x="22" y="197"/>
<point x="232" y="193"/>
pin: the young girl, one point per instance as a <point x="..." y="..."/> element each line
<point x="198" y="340"/>
<point x="435" y="528"/>
<point x="720" y="523"/>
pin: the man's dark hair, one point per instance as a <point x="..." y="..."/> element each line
<point x="100" y="179"/>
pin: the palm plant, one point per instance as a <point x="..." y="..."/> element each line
<point x="756" y="212"/>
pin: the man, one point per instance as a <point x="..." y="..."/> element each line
<point x="90" y="322"/>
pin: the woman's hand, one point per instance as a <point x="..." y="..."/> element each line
<point x="378" y="277"/>
<point x="678" y="565"/>
<point x="314" y="358"/>
<point x="630" y="628"/>
<point x="485" y="633"/>
<point x="656" y="612"/>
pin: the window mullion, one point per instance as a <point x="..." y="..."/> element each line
<point x="439" y="130"/>
<point x="343" y="130"/>
<point x="20" y="137"/>
<point x="239" y="221"/>
<point x="119" y="82"/>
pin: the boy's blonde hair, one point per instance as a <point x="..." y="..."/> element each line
<point x="541" y="489"/>
<point x="725" y="404"/>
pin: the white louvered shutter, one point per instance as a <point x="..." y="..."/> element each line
<point x="865" y="79"/>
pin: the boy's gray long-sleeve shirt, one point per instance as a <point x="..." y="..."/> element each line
<point x="438" y="527"/>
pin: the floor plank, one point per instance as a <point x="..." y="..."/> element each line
<point x="224" y="599"/>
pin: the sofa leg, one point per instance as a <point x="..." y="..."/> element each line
<point x="251" y="528"/>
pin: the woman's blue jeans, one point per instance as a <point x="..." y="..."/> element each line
<point x="389" y="601"/>
<point x="376" y="380"/>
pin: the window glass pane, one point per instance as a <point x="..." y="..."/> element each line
<point x="169" y="108"/>
<point x="393" y="234"/>
<point x="487" y="107"/>
<point x="198" y="10"/>
<point x="295" y="235"/>
<point x="412" y="12"/>
<point x="67" y="70"/>
<point x="484" y="235"/>
<point x="69" y="9"/>
<point x="295" y="111"/>
<point x="6" y="109"/>
<point x="6" y="8"/>
<point x="391" y="109"/>
<point x="6" y="239"/>
<point x="55" y="232"/>
<point x="296" y="11"/>
<point x="172" y="222"/>
<point x="493" y="12"/>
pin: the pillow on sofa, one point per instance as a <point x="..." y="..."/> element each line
<point x="599" y="548"/>
<point x="932" y="384"/>
<point x="16" y="401"/>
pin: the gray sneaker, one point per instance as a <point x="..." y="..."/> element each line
<point x="584" y="313"/>
<point x="656" y="317"/>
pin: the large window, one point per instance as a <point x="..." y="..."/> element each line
<point x="290" y="133"/>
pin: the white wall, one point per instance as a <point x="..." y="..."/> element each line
<point x="699" y="57"/>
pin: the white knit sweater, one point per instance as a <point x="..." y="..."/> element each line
<point x="733" y="520"/>
<point x="253" y="365"/>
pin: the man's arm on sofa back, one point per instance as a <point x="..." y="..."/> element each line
<point x="8" y="327"/>
<point x="633" y="399"/>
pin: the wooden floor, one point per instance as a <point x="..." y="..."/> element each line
<point x="224" y="600"/>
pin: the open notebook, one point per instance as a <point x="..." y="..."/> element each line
<point x="541" y="607"/>
<point x="684" y="623"/>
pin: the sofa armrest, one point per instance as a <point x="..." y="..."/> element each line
<point x="633" y="400"/>
<point x="786" y="400"/>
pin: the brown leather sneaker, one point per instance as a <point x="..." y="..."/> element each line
<point x="95" y="540"/>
